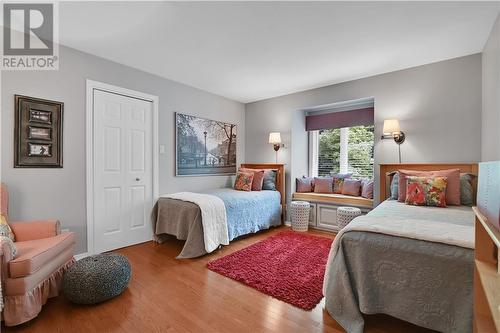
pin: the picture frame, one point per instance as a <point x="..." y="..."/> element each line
<point x="38" y="133"/>
<point x="204" y="147"/>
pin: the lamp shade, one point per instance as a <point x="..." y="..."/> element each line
<point x="275" y="137"/>
<point x="391" y="127"/>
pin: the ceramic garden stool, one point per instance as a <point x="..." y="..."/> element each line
<point x="96" y="278"/>
<point x="300" y="215"/>
<point x="346" y="215"/>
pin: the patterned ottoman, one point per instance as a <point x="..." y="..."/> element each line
<point x="346" y="215"/>
<point x="97" y="278"/>
<point x="299" y="214"/>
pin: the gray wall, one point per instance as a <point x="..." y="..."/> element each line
<point x="438" y="105"/>
<point x="490" y="134"/>
<point x="60" y="193"/>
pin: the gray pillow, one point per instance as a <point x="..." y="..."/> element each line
<point x="466" y="190"/>
<point x="269" y="180"/>
<point x="394" y="186"/>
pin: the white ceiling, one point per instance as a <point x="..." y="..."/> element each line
<point x="249" y="51"/>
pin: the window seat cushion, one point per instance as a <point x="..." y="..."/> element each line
<point x="334" y="199"/>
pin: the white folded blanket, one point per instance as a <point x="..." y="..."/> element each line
<point x="213" y="217"/>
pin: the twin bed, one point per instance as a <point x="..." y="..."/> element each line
<point x="411" y="262"/>
<point x="246" y="213"/>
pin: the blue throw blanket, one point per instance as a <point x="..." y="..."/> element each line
<point x="249" y="212"/>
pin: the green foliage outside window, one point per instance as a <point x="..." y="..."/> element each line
<point x="359" y="154"/>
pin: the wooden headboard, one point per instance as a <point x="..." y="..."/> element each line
<point x="386" y="175"/>
<point x="280" y="179"/>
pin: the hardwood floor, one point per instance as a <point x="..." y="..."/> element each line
<point x="169" y="295"/>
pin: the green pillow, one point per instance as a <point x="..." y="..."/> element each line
<point x="269" y="180"/>
<point x="466" y="190"/>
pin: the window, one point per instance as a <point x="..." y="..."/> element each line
<point x="342" y="150"/>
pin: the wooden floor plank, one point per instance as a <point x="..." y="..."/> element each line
<point x="170" y="295"/>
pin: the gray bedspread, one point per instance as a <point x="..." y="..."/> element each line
<point x="183" y="220"/>
<point x="425" y="283"/>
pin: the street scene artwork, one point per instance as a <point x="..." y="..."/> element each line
<point x="204" y="147"/>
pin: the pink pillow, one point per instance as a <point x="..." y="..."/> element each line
<point x="403" y="174"/>
<point x="351" y="187"/>
<point x="453" y="185"/>
<point x="452" y="188"/>
<point x="323" y="185"/>
<point x="367" y="188"/>
<point x="258" y="178"/>
<point x="304" y="184"/>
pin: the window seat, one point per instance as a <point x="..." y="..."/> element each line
<point x="323" y="213"/>
<point x="335" y="199"/>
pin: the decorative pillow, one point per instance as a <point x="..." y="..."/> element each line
<point x="394" y="186"/>
<point x="367" y="188"/>
<point x="452" y="189"/>
<point x="403" y="174"/>
<point x="453" y="185"/>
<point x="5" y="229"/>
<point x="304" y="184"/>
<point x="426" y="191"/>
<point x="466" y="189"/>
<point x="269" y="179"/>
<point x="338" y="181"/>
<point x="10" y="245"/>
<point x="258" y="178"/>
<point x="323" y="185"/>
<point x="351" y="187"/>
<point x="243" y="181"/>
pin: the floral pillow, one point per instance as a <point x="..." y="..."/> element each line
<point x="244" y="181"/>
<point x="426" y="191"/>
<point x="5" y="229"/>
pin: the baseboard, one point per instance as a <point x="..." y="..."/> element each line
<point x="81" y="255"/>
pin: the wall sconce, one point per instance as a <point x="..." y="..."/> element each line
<point x="275" y="140"/>
<point x="392" y="130"/>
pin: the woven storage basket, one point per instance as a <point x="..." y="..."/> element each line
<point x="346" y="215"/>
<point x="300" y="215"/>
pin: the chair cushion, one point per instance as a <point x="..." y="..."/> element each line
<point x="34" y="254"/>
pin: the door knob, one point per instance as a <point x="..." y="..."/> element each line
<point x="137" y="179"/>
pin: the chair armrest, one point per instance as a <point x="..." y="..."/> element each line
<point x="5" y="257"/>
<point x="30" y="230"/>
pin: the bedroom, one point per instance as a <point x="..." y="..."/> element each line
<point x="257" y="68"/>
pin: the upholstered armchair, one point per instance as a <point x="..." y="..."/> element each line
<point x="36" y="271"/>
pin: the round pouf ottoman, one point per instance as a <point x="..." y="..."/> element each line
<point x="346" y="215"/>
<point x="300" y="215"/>
<point x="97" y="278"/>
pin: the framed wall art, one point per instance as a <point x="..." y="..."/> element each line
<point x="38" y="132"/>
<point x="204" y="147"/>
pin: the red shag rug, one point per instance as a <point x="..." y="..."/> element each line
<point x="289" y="266"/>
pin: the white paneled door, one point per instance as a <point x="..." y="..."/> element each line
<point x="123" y="170"/>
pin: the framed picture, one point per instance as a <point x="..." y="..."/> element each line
<point x="38" y="132"/>
<point x="36" y="149"/>
<point x="204" y="147"/>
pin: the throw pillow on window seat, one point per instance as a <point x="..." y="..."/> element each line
<point x="323" y="185"/>
<point x="304" y="184"/>
<point x="351" y="187"/>
<point x="367" y="188"/>
<point x="338" y="181"/>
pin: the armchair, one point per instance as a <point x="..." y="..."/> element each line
<point x="35" y="274"/>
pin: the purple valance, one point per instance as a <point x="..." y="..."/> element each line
<point x="340" y="119"/>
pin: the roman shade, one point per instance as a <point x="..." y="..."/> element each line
<point x="358" y="117"/>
